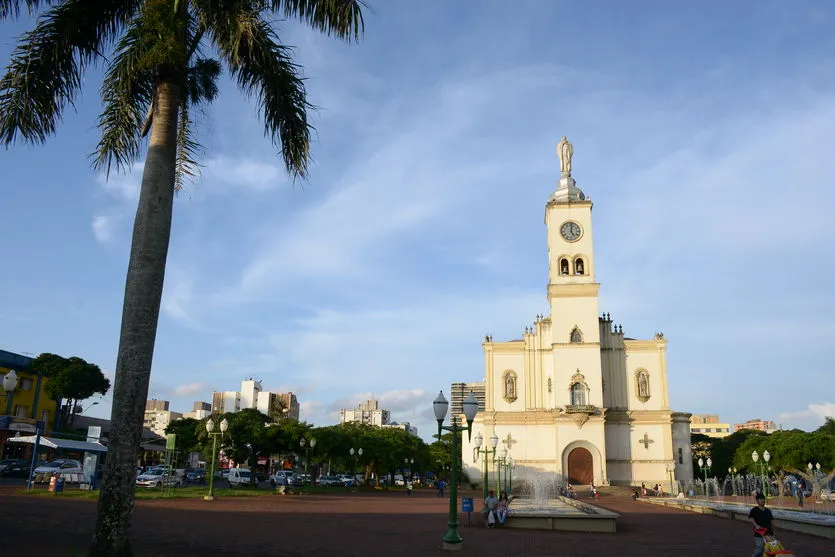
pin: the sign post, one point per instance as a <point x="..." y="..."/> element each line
<point x="467" y="507"/>
<point x="39" y="428"/>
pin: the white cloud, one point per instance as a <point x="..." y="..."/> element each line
<point x="103" y="227"/>
<point x="123" y="186"/>
<point x="812" y="417"/>
<point x="190" y="388"/>
<point x="244" y="173"/>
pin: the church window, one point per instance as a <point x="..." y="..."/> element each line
<point x="642" y="385"/>
<point x="680" y="456"/>
<point x="579" y="268"/>
<point x="563" y="266"/>
<point x="578" y="394"/>
<point x="549" y="385"/>
<point x="576" y="336"/>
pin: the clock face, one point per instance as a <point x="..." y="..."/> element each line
<point x="571" y="231"/>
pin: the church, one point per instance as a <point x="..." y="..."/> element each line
<point x="574" y="396"/>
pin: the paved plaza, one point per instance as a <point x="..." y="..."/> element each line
<point x="359" y="524"/>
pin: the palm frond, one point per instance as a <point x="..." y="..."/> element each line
<point x="127" y="91"/>
<point x="45" y="71"/>
<point x="187" y="149"/>
<point x="200" y="89"/>
<point x="263" y="67"/>
<point x="342" y="18"/>
<point x="10" y="9"/>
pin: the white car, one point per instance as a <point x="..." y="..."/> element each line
<point x="238" y="477"/>
<point x="157" y="477"/>
<point x="61" y="466"/>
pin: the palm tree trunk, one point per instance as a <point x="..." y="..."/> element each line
<point x="140" y="313"/>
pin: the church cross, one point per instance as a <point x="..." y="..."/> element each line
<point x="509" y="442"/>
<point x="646" y="441"/>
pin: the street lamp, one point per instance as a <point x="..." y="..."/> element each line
<point x="452" y="541"/>
<point x="9" y="385"/>
<point x="303" y="444"/>
<point x="509" y="488"/>
<point x="359" y="453"/>
<point x="478" y="441"/>
<point x="210" y="426"/>
<point x="499" y="461"/>
<point x="705" y="468"/>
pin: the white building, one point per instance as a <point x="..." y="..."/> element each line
<point x="460" y="391"/>
<point x="368" y="413"/>
<point x="575" y="396"/>
<point x="405" y="426"/>
<point x="158" y="420"/>
<point x="252" y="396"/>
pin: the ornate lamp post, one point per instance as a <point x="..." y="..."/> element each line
<point x="509" y="484"/>
<point x="9" y="385"/>
<point x="452" y="541"/>
<point x="705" y="468"/>
<point x="500" y="461"/>
<point x="359" y="455"/>
<point x="304" y="445"/>
<point x="478" y="441"/>
<point x="755" y="456"/>
<point x="210" y="426"/>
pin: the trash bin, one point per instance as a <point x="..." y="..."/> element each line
<point x="59" y="485"/>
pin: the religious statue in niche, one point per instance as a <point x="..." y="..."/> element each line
<point x="642" y="384"/>
<point x="510" y="386"/>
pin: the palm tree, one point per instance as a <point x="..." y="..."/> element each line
<point x="156" y="77"/>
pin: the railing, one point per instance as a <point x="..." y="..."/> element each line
<point x="580" y="408"/>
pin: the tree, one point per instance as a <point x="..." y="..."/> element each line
<point x="186" y="431"/>
<point x="72" y="379"/>
<point x="828" y="426"/>
<point x="154" y="80"/>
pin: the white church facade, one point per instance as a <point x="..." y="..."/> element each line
<point x="574" y="396"/>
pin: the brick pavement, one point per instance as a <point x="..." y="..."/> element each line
<point x="362" y="525"/>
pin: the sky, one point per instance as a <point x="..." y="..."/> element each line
<point x="703" y="132"/>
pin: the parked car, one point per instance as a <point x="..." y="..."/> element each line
<point x="20" y="468"/>
<point x="347" y="480"/>
<point x="62" y="466"/>
<point x="5" y="464"/>
<point x="196" y="476"/>
<point x="284" y="477"/>
<point x="239" y="477"/>
<point x="329" y="481"/>
<point x="159" y="477"/>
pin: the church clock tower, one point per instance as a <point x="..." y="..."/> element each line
<point x="572" y="291"/>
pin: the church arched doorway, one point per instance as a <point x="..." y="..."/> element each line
<point x="580" y="467"/>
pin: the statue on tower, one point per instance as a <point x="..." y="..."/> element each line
<point x="565" y="150"/>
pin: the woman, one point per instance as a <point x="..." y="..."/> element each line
<point x="502" y="509"/>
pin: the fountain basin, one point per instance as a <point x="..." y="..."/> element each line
<point x="562" y="514"/>
<point x="796" y="521"/>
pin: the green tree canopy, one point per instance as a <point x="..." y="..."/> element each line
<point x="72" y="379"/>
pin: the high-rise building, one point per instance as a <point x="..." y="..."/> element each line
<point x="291" y="403"/>
<point x="226" y="401"/>
<point x="154" y="404"/>
<point x="709" y="424"/>
<point x="760" y="425"/>
<point x="158" y="419"/>
<point x="460" y="391"/>
<point x="200" y="411"/>
<point x="368" y="413"/>
<point x="250" y="389"/>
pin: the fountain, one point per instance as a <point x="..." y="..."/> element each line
<point x="734" y="497"/>
<point x="541" y="507"/>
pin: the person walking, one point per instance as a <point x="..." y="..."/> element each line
<point x="800" y="493"/>
<point x="441" y="485"/>
<point x="763" y="522"/>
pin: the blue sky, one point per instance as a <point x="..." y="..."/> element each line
<point x="703" y="133"/>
